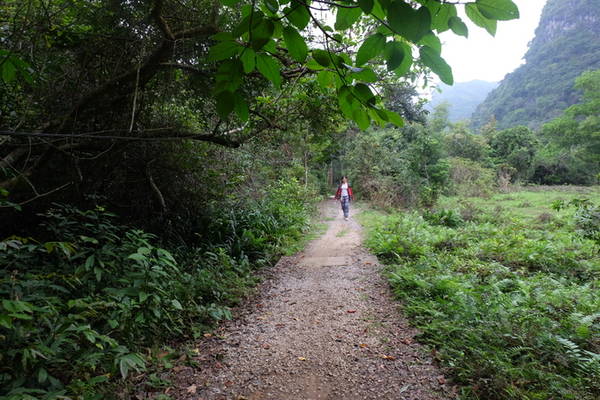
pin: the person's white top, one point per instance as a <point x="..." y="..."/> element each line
<point x="344" y="189"/>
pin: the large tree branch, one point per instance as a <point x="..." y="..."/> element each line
<point x="160" y="20"/>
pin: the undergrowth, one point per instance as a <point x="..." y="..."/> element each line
<point x="512" y="308"/>
<point x="83" y="304"/>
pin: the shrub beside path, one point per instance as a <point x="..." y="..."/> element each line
<point x="323" y="326"/>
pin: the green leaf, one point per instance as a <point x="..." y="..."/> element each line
<point x="314" y="65"/>
<point x="346" y="101"/>
<point x="42" y="375"/>
<point x="361" y="117"/>
<point x="241" y="107"/>
<point x="406" y="61"/>
<point x="229" y="76"/>
<point x="225" y="102"/>
<point x="394" y="118"/>
<point x="458" y="26"/>
<point x="364" y="93"/>
<point x="480" y="20"/>
<point x="440" y="15"/>
<point x="378" y="10"/>
<point x="248" y="59"/>
<point x="503" y="10"/>
<point x="222" y="36"/>
<point x="269" y="68"/>
<point x="270" y="47"/>
<point x="262" y="33"/>
<point x="377" y="116"/>
<point x="322" y="57"/>
<point x="406" y="21"/>
<point x="143" y="296"/>
<point x="432" y="41"/>
<point x="366" y="5"/>
<point x="437" y="64"/>
<point x="295" y="44"/>
<point x="9" y="71"/>
<point x="325" y="79"/>
<point x="366" y="75"/>
<point x="346" y="17"/>
<point x="223" y="50"/>
<point x="299" y="17"/>
<point x="176" y="304"/>
<point x="6" y="321"/>
<point x="371" y="48"/>
<point x="272" y="5"/>
<point x="394" y="54"/>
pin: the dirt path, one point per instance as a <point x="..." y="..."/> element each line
<point x="323" y="327"/>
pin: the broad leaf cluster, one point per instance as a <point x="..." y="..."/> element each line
<point x="272" y="35"/>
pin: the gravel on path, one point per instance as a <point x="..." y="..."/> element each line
<point x="323" y="326"/>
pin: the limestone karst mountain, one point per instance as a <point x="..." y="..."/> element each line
<point x="566" y="43"/>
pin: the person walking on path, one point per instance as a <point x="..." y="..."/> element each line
<point x="344" y="194"/>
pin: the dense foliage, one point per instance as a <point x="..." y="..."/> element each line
<point x="565" y="45"/>
<point x="508" y="299"/>
<point x="397" y="167"/>
<point x="81" y="305"/>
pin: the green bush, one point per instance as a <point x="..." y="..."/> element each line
<point x="470" y="178"/>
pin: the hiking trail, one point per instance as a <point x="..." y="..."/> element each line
<point x="323" y="325"/>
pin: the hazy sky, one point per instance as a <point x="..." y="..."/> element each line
<point x="489" y="58"/>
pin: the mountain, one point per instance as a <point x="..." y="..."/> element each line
<point x="566" y="43"/>
<point x="462" y="97"/>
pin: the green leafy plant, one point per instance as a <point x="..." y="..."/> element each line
<point x="449" y="218"/>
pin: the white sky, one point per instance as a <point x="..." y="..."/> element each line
<point x="489" y="58"/>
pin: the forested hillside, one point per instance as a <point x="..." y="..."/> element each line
<point x="462" y="98"/>
<point x="565" y="45"/>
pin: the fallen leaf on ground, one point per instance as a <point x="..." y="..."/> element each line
<point x="192" y="389"/>
<point x="163" y="354"/>
<point x="363" y="345"/>
<point x="386" y="357"/>
<point x="302" y="358"/>
<point x="208" y="335"/>
<point x="266" y="346"/>
<point x="351" y="311"/>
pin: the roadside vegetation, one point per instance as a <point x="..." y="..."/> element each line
<point x="90" y="299"/>
<point x="504" y="289"/>
<point x="155" y="154"/>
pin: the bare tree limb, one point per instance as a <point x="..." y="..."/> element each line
<point x="155" y="189"/>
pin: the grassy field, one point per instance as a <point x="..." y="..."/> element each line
<point x="505" y="289"/>
<point x="528" y="203"/>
